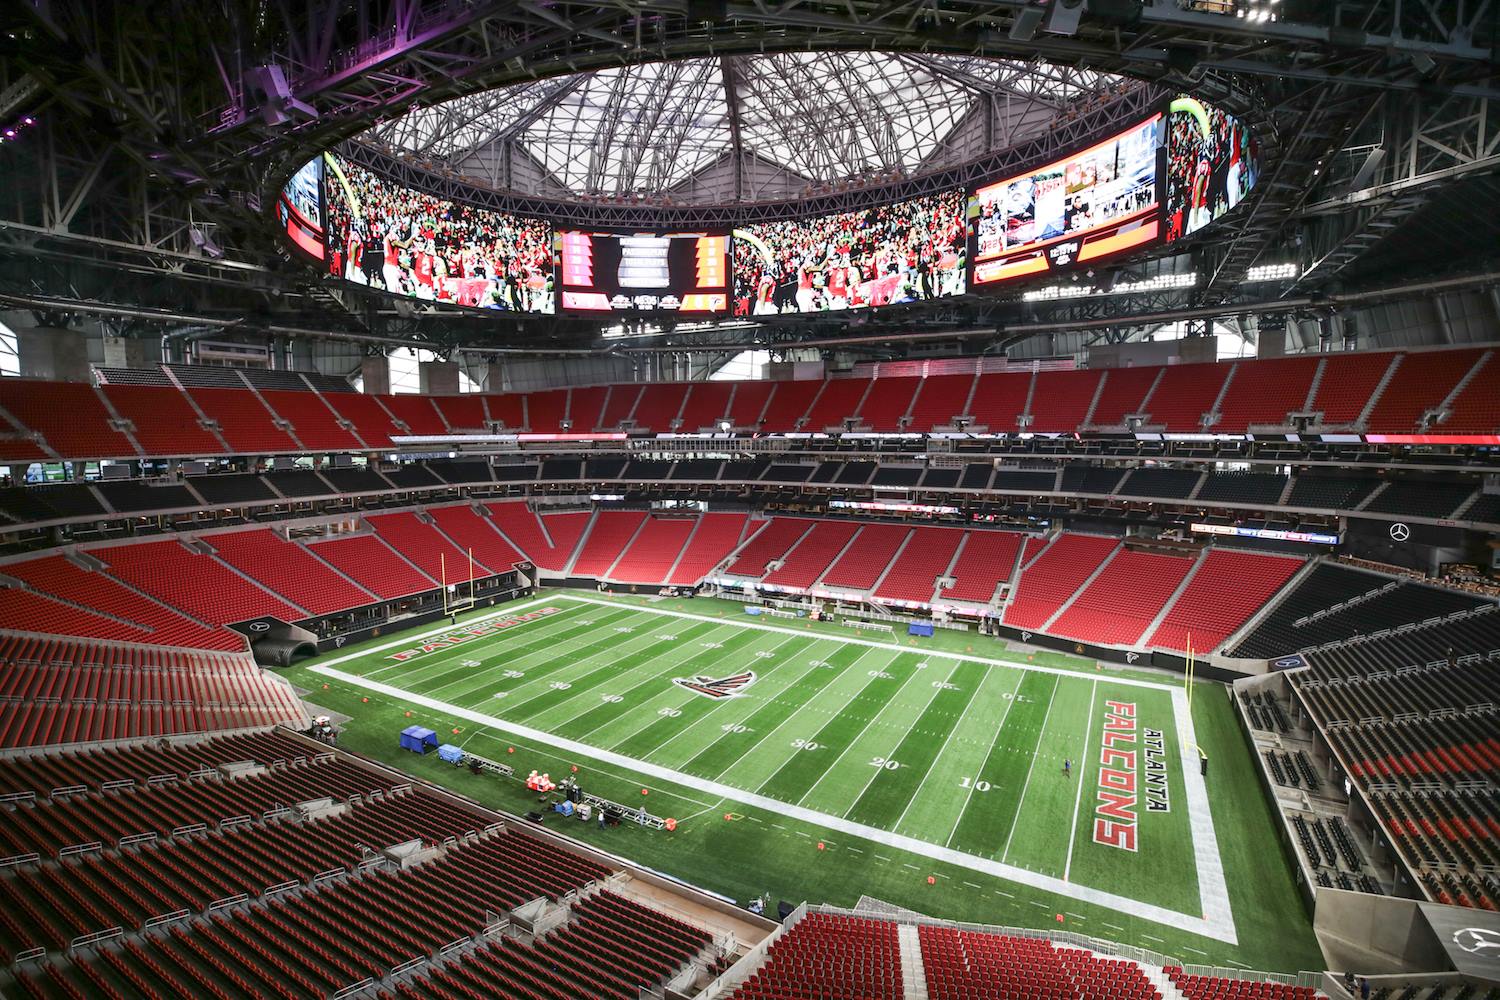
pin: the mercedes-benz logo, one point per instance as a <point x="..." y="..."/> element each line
<point x="1476" y="939"/>
<point x="260" y="626"/>
<point x="1400" y="532"/>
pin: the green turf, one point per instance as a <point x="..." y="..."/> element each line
<point x="977" y="751"/>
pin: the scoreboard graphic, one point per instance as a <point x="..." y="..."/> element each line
<point x="643" y="272"/>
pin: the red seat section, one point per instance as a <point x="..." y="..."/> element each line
<point x="586" y="408"/>
<point x="545" y="411"/>
<point x="750" y="399"/>
<point x="289" y="569"/>
<point x="1225" y="591"/>
<point x="706" y="405"/>
<point x="813" y="554"/>
<point x="372" y="564"/>
<point x="470" y="531"/>
<point x="913" y="576"/>
<point x="314" y="424"/>
<point x="658" y="407"/>
<point x="1347" y="383"/>
<point x="244" y="421"/>
<point x="508" y="409"/>
<point x="1061" y="400"/>
<point x="867" y="557"/>
<point x="1422" y="381"/>
<point x="887" y="402"/>
<point x="59" y="577"/>
<point x="999" y="400"/>
<point x="548" y="541"/>
<point x="165" y="422"/>
<point x="826" y="957"/>
<point x="767" y="545"/>
<point x="656" y="547"/>
<point x="939" y="399"/>
<point x="1185" y="394"/>
<point x="1264" y="392"/>
<point x="1476" y="409"/>
<point x="618" y="406"/>
<point x="971" y="965"/>
<point x="462" y="413"/>
<point x="1055" y="576"/>
<point x="716" y="536"/>
<point x="1123" y="599"/>
<point x="193" y="581"/>
<point x="418" y="413"/>
<point x="838" y="401"/>
<point x="370" y="419"/>
<point x="426" y="547"/>
<point x="69" y="415"/>
<point x="788" y="403"/>
<point x="986" y="560"/>
<point x="1123" y="393"/>
<point x="1217" y="988"/>
<point x="606" y="539"/>
<point x="25" y="611"/>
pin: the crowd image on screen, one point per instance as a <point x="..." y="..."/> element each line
<point x="418" y="245"/>
<point x="1207" y="175"/>
<point x="1107" y="183"/>
<point x="905" y="252"/>
<point x="303" y="191"/>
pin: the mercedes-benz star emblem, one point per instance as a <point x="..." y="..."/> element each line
<point x="1400" y="532"/>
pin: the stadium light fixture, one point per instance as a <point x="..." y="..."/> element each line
<point x="1271" y="272"/>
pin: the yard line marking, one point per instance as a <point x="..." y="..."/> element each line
<point x="1115" y="927"/>
<point x="1002" y="892"/>
<point x="971" y="885"/>
<point x="764" y="741"/>
<point x="407" y="640"/>
<point x="878" y="771"/>
<point x="855" y="850"/>
<point x="1075" y="916"/>
<point x="1195" y="951"/>
<point x="1148" y="937"/>
<point x="1042" y="906"/>
<point x="463" y="649"/>
<point x="891" y="700"/>
<point x="1240" y="965"/>
<point x="1220" y="926"/>
<point x="911" y="866"/>
<point x="968" y="704"/>
<point x="882" y="857"/>
<point x="1015" y="820"/>
<point x="464" y="685"/>
<point x="999" y="731"/>
<point x="687" y="698"/>
<point x="1088" y="735"/>
<point x="544" y="752"/>
<point x="770" y="671"/>
<point x="856" y="641"/>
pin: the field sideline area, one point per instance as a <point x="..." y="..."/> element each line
<point x="823" y="747"/>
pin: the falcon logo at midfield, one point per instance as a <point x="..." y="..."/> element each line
<point x="723" y="687"/>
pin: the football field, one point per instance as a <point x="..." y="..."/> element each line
<point x="950" y="755"/>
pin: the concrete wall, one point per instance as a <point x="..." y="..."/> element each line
<point x="1154" y="352"/>
<point x="1375" y="934"/>
<point x="376" y="375"/>
<point x="438" y="378"/>
<point x="54" y="353"/>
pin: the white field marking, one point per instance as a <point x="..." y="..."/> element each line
<point x="422" y="671"/>
<point x="700" y="812"/>
<point x="854" y="849"/>
<point x="1088" y="736"/>
<point x="891" y="700"/>
<point x="557" y="659"/>
<point x="1195" y="951"/>
<point x="1239" y="965"/>
<point x="952" y="740"/>
<point x="1219" y="927"/>
<point x="1213" y="893"/>
<point x="1015" y="820"/>
<point x="972" y="885"/>
<point x="725" y="702"/>
<point x="1002" y="892"/>
<point x="764" y="740"/>
<point x="589" y="706"/>
<point x="672" y="691"/>
<point x="856" y="641"/>
<point x="1075" y="916"/>
<point x="1015" y="695"/>
<point x="787" y="758"/>
<point x="417" y="640"/>
<point x="878" y="771"/>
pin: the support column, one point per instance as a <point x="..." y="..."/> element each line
<point x="125" y="352"/>
<point x="437" y="378"/>
<point x="54" y="353"/>
<point x="494" y="376"/>
<point x="375" y="372"/>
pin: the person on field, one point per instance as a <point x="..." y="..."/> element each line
<point x="1067" y="767"/>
